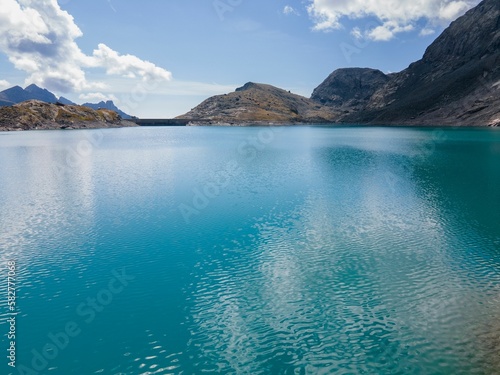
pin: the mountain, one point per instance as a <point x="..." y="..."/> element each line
<point x="352" y="87"/>
<point x="456" y="82"/>
<point x="259" y="103"/>
<point x="108" y="105"/>
<point x="13" y="95"/>
<point x="37" y="93"/>
<point x="35" y="114"/>
<point x="65" y="101"/>
<point x="17" y="94"/>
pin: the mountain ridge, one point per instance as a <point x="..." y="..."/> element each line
<point x="452" y="84"/>
<point x="259" y="103"/>
<point x="108" y="105"/>
<point x="40" y="115"/>
<point x="456" y="83"/>
<point x="17" y="94"/>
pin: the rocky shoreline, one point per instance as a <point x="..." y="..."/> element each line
<point x="338" y="124"/>
<point x="72" y="126"/>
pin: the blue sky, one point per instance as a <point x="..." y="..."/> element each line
<point x="160" y="58"/>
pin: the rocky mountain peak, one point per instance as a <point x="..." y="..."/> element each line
<point x="455" y="83"/>
<point x="247" y="86"/>
<point x="349" y="87"/>
<point x="38" y="93"/>
<point x="13" y="95"/>
<point x="108" y="104"/>
<point x="472" y="36"/>
<point x="256" y="103"/>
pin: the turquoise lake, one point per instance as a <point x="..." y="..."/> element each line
<point x="252" y="250"/>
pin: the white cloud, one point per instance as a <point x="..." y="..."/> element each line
<point x="4" y="84"/>
<point x="396" y="16"/>
<point x="450" y="11"/>
<point x="289" y="10"/>
<point x="387" y="31"/>
<point x="123" y="87"/>
<point x="427" y="31"/>
<point x="39" y="38"/>
<point x="127" y="65"/>
<point x="356" y="33"/>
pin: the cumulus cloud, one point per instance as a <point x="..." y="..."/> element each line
<point x="395" y="16"/>
<point x="289" y="10"/>
<point x="356" y="33"/>
<point x="426" y="31"/>
<point x="126" y="65"/>
<point x="387" y="31"/>
<point x="39" y="38"/>
<point x="4" y="84"/>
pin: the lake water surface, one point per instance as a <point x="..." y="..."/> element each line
<point x="250" y="250"/>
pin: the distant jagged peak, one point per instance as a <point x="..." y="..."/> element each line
<point x="65" y="101"/>
<point x="13" y="90"/>
<point x="17" y="94"/>
<point x="16" y="87"/>
<point x="33" y="87"/>
<point x="102" y="103"/>
<point x="108" y="104"/>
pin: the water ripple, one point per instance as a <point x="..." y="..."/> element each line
<point x="333" y="250"/>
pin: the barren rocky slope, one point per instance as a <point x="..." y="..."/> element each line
<point x="349" y="88"/>
<point x="35" y="114"/>
<point x="259" y="103"/>
<point x="457" y="82"/>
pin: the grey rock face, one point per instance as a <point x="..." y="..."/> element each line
<point x="457" y="81"/>
<point x="351" y="87"/>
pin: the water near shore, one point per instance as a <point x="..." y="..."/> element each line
<point x="252" y="250"/>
